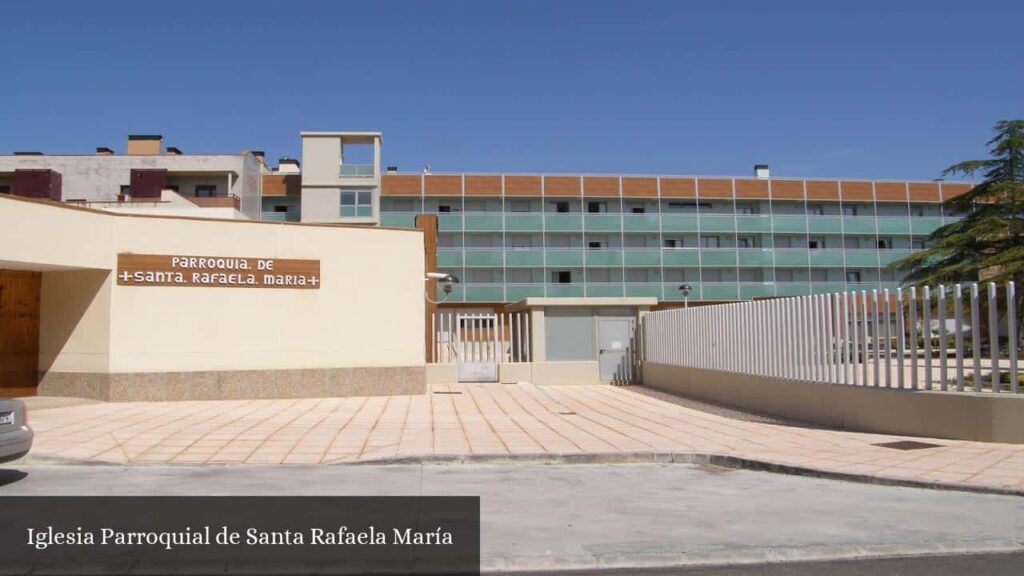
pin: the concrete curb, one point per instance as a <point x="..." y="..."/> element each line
<point x="595" y="458"/>
<point x="509" y="566"/>
<point x="719" y="460"/>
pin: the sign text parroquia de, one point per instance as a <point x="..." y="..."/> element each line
<point x="217" y="271"/>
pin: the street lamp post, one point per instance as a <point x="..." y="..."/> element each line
<point x="685" y="289"/>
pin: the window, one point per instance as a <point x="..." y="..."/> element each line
<point x="853" y="277"/>
<point x="602" y="275"/>
<point x="444" y="208"/>
<point x="597" y="207"/>
<point x="126" y="190"/>
<point x="783" y="275"/>
<point x="917" y="244"/>
<point x="635" y="241"/>
<point x="518" y="276"/>
<point x="745" y="209"/>
<point x="206" y="190"/>
<point x="819" y="275"/>
<point x="561" y="207"/>
<point x="851" y="242"/>
<point x="711" y="275"/>
<point x="673" y="242"/>
<point x="402" y="205"/>
<point x="709" y="242"/>
<point x="356" y="204"/>
<point x="561" y="277"/>
<point x="849" y="210"/>
<point x="637" y="210"/>
<point x="596" y="244"/>
<point x="744" y="242"/>
<point x="638" y="275"/>
<point x="916" y="210"/>
<point x="884" y="244"/>
<point x="518" y="205"/>
<point x="815" y="244"/>
<point x="520" y="242"/>
<point x="279" y="209"/>
<point x="815" y="210"/>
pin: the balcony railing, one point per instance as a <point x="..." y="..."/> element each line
<point x="356" y="171"/>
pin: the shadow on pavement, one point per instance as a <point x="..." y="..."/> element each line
<point x="8" y="476"/>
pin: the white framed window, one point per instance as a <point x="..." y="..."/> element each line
<point x="356" y="203"/>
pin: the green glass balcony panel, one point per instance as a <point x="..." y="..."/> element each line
<point x="824" y="225"/>
<point x="719" y="257"/>
<point x="857" y="225"/>
<point x="832" y="258"/>
<point x="680" y="257"/>
<point x="893" y="226"/>
<point x="274" y="216"/>
<point x="643" y="257"/>
<point x="528" y="258"/>
<point x="480" y="257"/>
<point x="719" y="292"/>
<point x="758" y="223"/>
<point x="679" y="222"/>
<point x="449" y="258"/>
<point x="713" y="223"/>
<point x="790" y="257"/>
<point x="670" y="292"/>
<point x="516" y="292"/>
<point x="449" y="222"/>
<point x="398" y="220"/>
<point x="563" y="223"/>
<point x="640" y="222"/>
<point x="565" y="258"/>
<point x="754" y="257"/>
<point x="604" y="290"/>
<point x="751" y="290"/>
<point x="484" y="293"/>
<point x="861" y="258"/>
<point x="484" y="222"/>
<point x="827" y="287"/>
<point x="524" y="222"/>
<point x="886" y="257"/>
<point x="922" y="226"/>
<point x="792" y="289"/>
<point x="604" y="258"/>
<point x="565" y="291"/>
<point x="603" y="222"/>
<point x="642" y="290"/>
<point x="789" y="224"/>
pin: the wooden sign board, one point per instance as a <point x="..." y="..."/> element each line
<point x="217" y="272"/>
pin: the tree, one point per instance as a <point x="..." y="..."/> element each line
<point x="988" y="243"/>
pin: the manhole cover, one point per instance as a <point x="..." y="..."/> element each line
<point x="447" y="392"/>
<point x="907" y="445"/>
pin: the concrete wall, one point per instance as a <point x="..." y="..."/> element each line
<point x="99" y="178"/>
<point x="365" y="314"/>
<point x="960" y="416"/>
<point x="539" y="373"/>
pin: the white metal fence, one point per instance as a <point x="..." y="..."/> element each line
<point x="959" y="338"/>
<point x="498" y="338"/>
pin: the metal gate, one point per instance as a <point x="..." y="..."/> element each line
<point x="478" y="342"/>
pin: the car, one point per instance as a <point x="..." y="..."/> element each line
<point x="15" y="434"/>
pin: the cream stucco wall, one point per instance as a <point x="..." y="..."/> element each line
<point x="369" y="311"/>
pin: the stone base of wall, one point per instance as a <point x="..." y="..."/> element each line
<point x="236" y="385"/>
<point x="984" y="417"/>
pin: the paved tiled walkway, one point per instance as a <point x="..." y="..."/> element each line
<point x="486" y="419"/>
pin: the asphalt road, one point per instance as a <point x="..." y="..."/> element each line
<point x="640" y="516"/>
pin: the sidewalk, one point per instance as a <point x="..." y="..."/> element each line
<point x="482" y="420"/>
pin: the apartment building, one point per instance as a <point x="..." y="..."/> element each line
<point x="509" y="237"/>
<point x="513" y="236"/>
<point x="148" y="178"/>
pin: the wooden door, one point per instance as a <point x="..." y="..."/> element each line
<point x="19" y="332"/>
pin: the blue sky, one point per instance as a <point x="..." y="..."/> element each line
<point x="538" y="86"/>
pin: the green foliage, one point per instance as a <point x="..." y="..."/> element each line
<point x="988" y="242"/>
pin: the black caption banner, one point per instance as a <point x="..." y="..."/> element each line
<point x="239" y="535"/>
